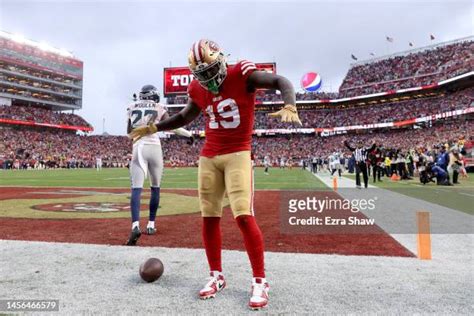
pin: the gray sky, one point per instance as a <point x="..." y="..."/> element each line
<point x="126" y="44"/>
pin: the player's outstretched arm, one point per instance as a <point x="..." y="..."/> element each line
<point x="184" y="117"/>
<point x="265" y="80"/>
<point x="180" y="119"/>
<point x="346" y="143"/>
<point x="178" y="131"/>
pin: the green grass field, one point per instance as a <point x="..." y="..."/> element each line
<point x="173" y="178"/>
<point x="459" y="197"/>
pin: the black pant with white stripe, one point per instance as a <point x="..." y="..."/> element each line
<point x="377" y="172"/>
<point x="361" y="166"/>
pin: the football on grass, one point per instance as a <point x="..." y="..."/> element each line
<point x="151" y="270"/>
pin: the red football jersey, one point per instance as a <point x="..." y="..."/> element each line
<point x="229" y="115"/>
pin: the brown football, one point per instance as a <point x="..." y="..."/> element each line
<point x="151" y="270"/>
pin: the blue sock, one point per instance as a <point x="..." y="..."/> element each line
<point x="154" y="202"/>
<point x="135" y="203"/>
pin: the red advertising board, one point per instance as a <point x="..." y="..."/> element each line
<point x="33" y="123"/>
<point x="177" y="79"/>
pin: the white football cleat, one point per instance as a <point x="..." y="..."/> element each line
<point x="259" y="294"/>
<point x="215" y="284"/>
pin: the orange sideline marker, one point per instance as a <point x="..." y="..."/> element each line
<point x="334" y="183"/>
<point x="424" y="235"/>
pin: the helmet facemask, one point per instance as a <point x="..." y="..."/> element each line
<point x="211" y="76"/>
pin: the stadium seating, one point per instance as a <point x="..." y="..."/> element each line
<point x="36" y="73"/>
<point x="404" y="71"/>
<point x="40" y="115"/>
<point x="387" y="112"/>
<point x="63" y="149"/>
<point x="401" y="71"/>
<point x="33" y="147"/>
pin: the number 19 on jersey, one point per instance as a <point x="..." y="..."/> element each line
<point x="227" y="115"/>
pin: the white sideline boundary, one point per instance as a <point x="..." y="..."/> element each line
<point x="342" y="182"/>
<point x="395" y="213"/>
<point x="408" y="242"/>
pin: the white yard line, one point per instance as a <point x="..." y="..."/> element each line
<point x="342" y="182"/>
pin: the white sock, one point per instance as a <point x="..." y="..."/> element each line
<point x="263" y="280"/>
<point x="151" y="224"/>
<point x="135" y="224"/>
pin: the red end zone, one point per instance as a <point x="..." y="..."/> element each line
<point x="184" y="231"/>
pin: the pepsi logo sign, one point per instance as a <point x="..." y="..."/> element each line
<point x="311" y="81"/>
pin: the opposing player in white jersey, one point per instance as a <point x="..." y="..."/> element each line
<point x="282" y="163"/>
<point x="147" y="157"/>
<point x="266" y="164"/>
<point x="98" y="163"/>
<point x="335" y="164"/>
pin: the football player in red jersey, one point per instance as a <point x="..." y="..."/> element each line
<point x="226" y="96"/>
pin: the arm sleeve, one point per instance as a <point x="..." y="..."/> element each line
<point x="182" y="132"/>
<point x="349" y="146"/>
<point x="193" y="94"/>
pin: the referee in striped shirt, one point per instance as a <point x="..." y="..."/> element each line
<point x="360" y="154"/>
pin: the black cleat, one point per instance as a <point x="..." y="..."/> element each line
<point x="134" y="236"/>
<point x="150" y="230"/>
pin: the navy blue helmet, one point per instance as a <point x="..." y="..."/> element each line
<point x="149" y="92"/>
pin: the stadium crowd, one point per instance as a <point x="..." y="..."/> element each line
<point x="383" y="113"/>
<point x="38" y="85"/>
<point x="40" y="74"/>
<point x="388" y="112"/>
<point x="266" y="96"/>
<point x="22" y="148"/>
<point x="40" y="115"/>
<point x="40" y="96"/>
<point x="27" y="148"/>
<point x="412" y="70"/>
<point x="402" y="71"/>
